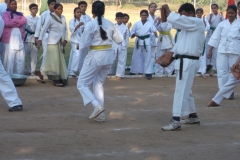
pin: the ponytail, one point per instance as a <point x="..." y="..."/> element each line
<point x="98" y="8"/>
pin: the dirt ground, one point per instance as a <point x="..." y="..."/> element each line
<point x="54" y="124"/>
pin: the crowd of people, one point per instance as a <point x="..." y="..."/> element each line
<point x="97" y="45"/>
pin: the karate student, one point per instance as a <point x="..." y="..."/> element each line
<point x="30" y="43"/>
<point x="152" y="17"/>
<point x="7" y="88"/>
<point x="141" y="58"/>
<point x="226" y="38"/>
<point x="54" y="66"/>
<point x="12" y="39"/>
<point x="120" y="49"/>
<point x="41" y="22"/>
<point x="214" y="19"/>
<point x="84" y="18"/>
<point x="187" y="51"/>
<point x="238" y="6"/>
<point x="202" y="59"/>
<point x="165" y="44"/>
<point x="99" y="35"/>
<point x="76" y="30"/>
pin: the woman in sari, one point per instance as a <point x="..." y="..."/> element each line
<point x="12" y="39"/>
<point x="54" y="63"/>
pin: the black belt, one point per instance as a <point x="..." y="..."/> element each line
<point x="181" y="61"/>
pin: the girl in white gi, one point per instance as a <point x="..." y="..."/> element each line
<point x="12" y="39"/>
<point x="164" y="44"/>
<point x="120" y="49"/>
<point x="187" y="51"/>
<point x="214" y="19"/>
<point x="152" y="7"/>
<point x="76" y="30"/>
<point x="99" y="35"/>
<point x="30" y="45"/>
<point x="7" y="88"/>
<point x="54" y="63"/>
<point x="141" y="58"/>
<point x="202" y="59"/>
<point x="226" y="38"/>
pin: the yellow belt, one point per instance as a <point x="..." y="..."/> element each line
<point x="164" y="33"/>
<point x="102" y="47"/>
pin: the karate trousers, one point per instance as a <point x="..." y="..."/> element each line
<point x="224" y="62"/>
<point x="8" y="89"/>
<point x="31" y="52"/>
<point x="183" y="102"/>
<point x="141" y="60"/>
<point x="92" y="73"/>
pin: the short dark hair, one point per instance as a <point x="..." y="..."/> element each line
<point x="151" y="4"/>
<point x="233" y="7"/>
<point x="214" y="4"/>
<point x="33" y="5"/>
<point x="119" y="14"/>
<point x="199" y="9"/>
<point x="57" y="5"/>
<point x="82" y="2"/>
<point x="126" y="15"/>
<point x="143" y="11"/>
<point x="51" y="1"/>
<point x="187" y="7"/>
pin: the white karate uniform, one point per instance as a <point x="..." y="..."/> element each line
<point x="165" y="44"/>
<point x="40" y="24"/>
<point x="226" y="38"/>
<point x="85" y="19"/>
<point x="97" y="62"/>
<point x="75" y="60"/>
<point x="120" y="51"/>
<point x="30" y="44"/>
<point x="7" y="88"/>
<point x="202" y="59"/>
<point x="216" y="19"/>
<point x="187" y="44"/>
<point x="153" y="43"/>
<point x="141" y="58"/>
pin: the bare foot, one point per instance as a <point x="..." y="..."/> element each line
<point x="212" y="73"/>
<point x="212" y="104"/>
<point x="118" y="78"/>
<point x="203" y="76"/>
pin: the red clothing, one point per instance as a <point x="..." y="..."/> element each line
<point x="16" y="22"/>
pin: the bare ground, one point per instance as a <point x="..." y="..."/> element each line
<point x="54" y="124"/>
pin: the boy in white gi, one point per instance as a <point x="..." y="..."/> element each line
<point x="120" y="49"/>
<point x="84" y="18"/>
<point x="187" y="51"/>
<point x="202" y="59"/>
<point x="226" y="38"/>
<point x="7" y="88"/>
<point x="75" y="26"/>
<point x="30" y="44"/>
<point x="40" y="24"/>
<point x="141" y="58"/>
<point x="99" y="35"/>
<point x="214" y="19"/>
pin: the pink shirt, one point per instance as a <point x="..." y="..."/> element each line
<point x="16" y="22"/>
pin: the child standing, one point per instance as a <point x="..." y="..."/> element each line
<point x="152" y="17"/>
<point x="214" y="19"/>
<point x="120" y="49"/>
<point x="76" y="30"/>
<point x="141" y="58"/>
<point x="202" y="59"/>
<point x="30" y="44"/>
<point x="84" y="18"/>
